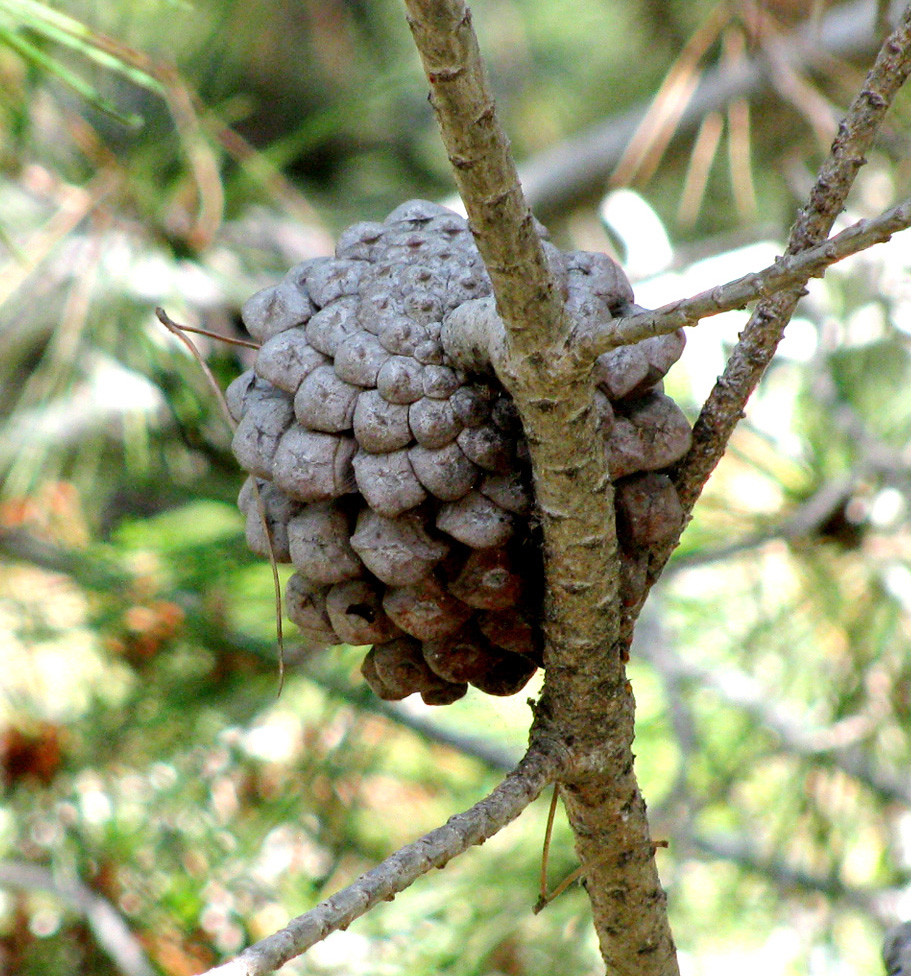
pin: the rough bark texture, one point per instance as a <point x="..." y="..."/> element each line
<point x="398" y="872"/>
<point x="587" y="703"/>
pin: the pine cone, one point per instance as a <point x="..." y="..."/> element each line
<point x="398" y="485"/>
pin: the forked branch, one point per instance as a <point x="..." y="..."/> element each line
<point x="474" y="329"/>
<point x="759" y="340"/>
<point x="587" y="703"/>
<point x="587" y="706"/>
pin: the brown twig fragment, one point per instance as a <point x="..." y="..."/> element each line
<point x="545" y="899"/>
<point x="181" y="332"/>
<point x="398" y="872"/>
<point x="548" y="833"/>
<point x="230" y="340"/>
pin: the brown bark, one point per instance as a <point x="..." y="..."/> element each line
<point x="584" y="721"/>
<point x="587" y="706"/>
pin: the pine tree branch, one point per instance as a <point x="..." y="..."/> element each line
<point x="788" y="272"/>
<point x="504" y="229"/>
<point x="533" y="355"/>
<point x="759" y="340"/>
<point x="398" y="872"/>
<point x="587" y="703"/>
<point x="478" y="320"/>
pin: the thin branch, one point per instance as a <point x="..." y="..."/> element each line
<point x="181" y="332"/>
<point x="231" y="340"/>
<point x="398" y="872"/>
<point x="548" y="833"/>
<point x="759" y="340"/>
<point x="111" y="932"/>
<point x="788" y="272"/>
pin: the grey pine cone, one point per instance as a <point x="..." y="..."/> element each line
<point x="399" y="486"/>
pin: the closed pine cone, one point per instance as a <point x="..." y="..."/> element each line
<point x="398" y="485"/>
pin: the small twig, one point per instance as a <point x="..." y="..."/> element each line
<point x="398" y="872"/>
<point x="787" y="272"/>
<point x="221" y="338"/>
<point x="546" y="899"/>
<point x="276" y="586"/>
<point x="548" y="833"/>
<point x="790" y="271"/>
<point x="573" y="876"/>
<point x="181" y="332"/>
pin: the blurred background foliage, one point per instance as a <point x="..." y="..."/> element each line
<point x="161" y="807"/>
